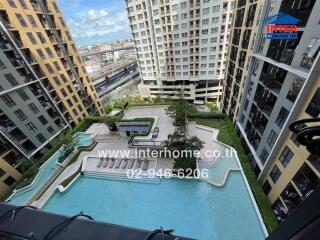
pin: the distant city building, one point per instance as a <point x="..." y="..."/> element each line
<point x="44" y="87"/>
<point x="181" y="45"/>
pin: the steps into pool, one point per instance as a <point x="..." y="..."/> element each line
<point x="122" y="177"/>
<point x="211" y="164"/>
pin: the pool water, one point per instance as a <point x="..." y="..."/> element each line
<point x="218" y="174"/>
<point x="22" y="196"/>
<point x="194" y="208"/>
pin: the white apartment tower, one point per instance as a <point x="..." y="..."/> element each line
<point x="181" y="45"/>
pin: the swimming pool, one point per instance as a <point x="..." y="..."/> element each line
<point x="194" y="208"/>
<point x="218" y="171"/>
<point x="23" y="195"/>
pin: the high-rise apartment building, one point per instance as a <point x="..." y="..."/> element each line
<point x="181" y="45"/>
<point x="44" y="88"/>
<point x="269" y="84"/>
<point x="243" y="31"/>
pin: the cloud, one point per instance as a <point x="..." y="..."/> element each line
<point x="97" y="23"/>
<point x="94" y="15"/>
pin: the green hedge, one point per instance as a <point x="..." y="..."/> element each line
<point x="206" y="116"/>
<point x="66" y="182"/>
<point x="133" y="135"/>
<point x="228" y="135"/>
<point x="66" y="138"/>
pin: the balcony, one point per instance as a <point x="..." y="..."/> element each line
<point x="306" y="180"/>
<point x="300" y="9"/>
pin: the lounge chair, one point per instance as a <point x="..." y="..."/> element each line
<point x="131" y="162"/>
<point x="112" y="161"/>
<point x="138" y="165"/>
<point x="105" y="164"/>
<point x="100" y="162"/>
<point x="145" y="165"/>
<point x="125" y="164"/>
<point x="118" y="163"/>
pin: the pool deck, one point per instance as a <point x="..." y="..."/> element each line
<point x="120" y="143"/>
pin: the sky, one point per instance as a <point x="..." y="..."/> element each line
<point x="95" y="21"/>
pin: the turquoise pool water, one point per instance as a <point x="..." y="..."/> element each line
<point x="22" y="196"/>
<point x="217" y="175"/>
<point x="193" y="208"/>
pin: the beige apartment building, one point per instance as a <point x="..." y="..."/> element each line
<point x="44" y="87"/>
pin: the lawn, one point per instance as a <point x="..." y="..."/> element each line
<point x="229" y="136"/>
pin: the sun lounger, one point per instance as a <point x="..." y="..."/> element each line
<point x="138" y="165"/>
<point x="145" y="165"/>
<point x="105" y="164"/>
<point x="112" y="161"/>
<point x="118" y="163"/>
<point x="131" y="162"/>
<point x="125" y="163"/>
<point x="100" y="162"/>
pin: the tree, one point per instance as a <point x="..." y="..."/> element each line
<point x="180" y="142"/>
<point x="178" y="110"/>
<point x="111" y="123"/>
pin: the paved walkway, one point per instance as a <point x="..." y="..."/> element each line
<point x="164" y="122"/>
<point x="209" y="136"/>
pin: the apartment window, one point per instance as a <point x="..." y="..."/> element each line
<point x="246" y="103"/>
<point x="216" y="8"/>
<point x="205" y="11"/>
<point x="49" y="52"/>
<point x="2" y="66"/>
<point x="31" y="127"/>
<point x="64" y="93"/>
<point x="32" y="21"/>
<point x="43" y="120"/>
<point x="282" y="117"/>
<point x="31" y="37"/>
<point x="286" y="156"/>
<point x="41" y="37"/>
<point x="63" y="77"/>
<point x="50" y="129"/>
<point x="215" y="20"/>
<point x="205" y="21"/>
<point x="11" y="79"/>
<point x="21" y="20"/>
<point x="214" y="30"/>
<point x="49" y="68"/>
<point x="266" y="187"/>
<point x="57" y="66"/>
<point x="205" y="31"/>
<point x="184" y="15"/>
<point x="23" y="95"/>
<point x="9" y="181"/>
<point x="41" y="55"/>
<point x="264" y="156"/>
<point x="41" y="138"/>
<point x="2" y="172"/>
<point x="33" y="108"/>
<point x="12" y="4"/>
<point x="272" y="138"/>
<point x="23" y="4"/>
<point x="275" y="174"/>
<point x="175" y="7"/>
<point x="183" y="5"/>
<point x="314" y="106"/>
<point x="20" y="114"/>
